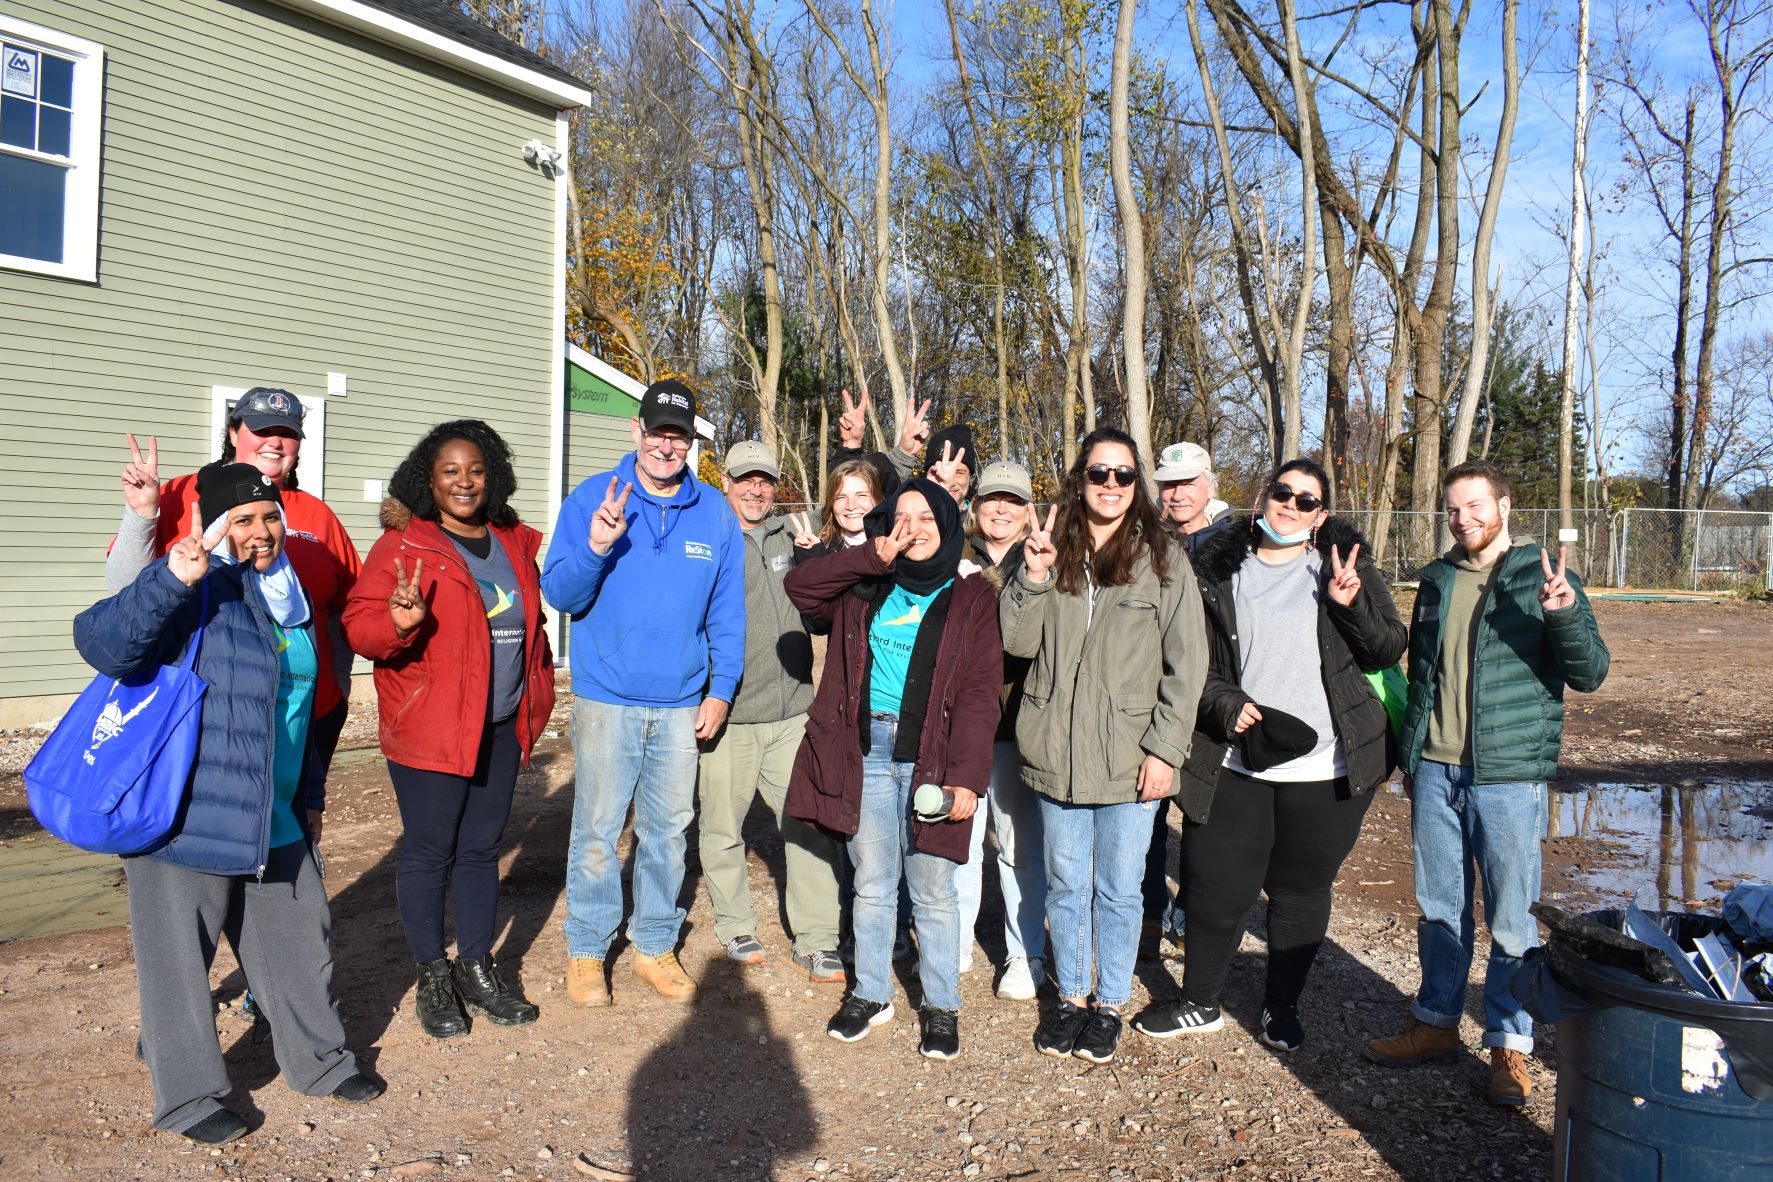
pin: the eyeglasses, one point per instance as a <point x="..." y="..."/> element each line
<point x="1099" y="474"/>
<point x="1283" y="493"/>
<point x="675" y="442"/>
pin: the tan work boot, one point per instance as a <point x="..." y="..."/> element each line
<point x="1420" y="1044"/>
<point x="585" y="985"/>
<point x="666" y="975"/>
<point x="1509" y="1083"/>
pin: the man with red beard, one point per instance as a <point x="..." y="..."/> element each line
<point x="1497" y="635"/>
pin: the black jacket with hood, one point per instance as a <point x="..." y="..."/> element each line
<point x="1366" y="635"/>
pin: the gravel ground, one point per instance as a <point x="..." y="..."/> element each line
<point x="743" y="1084"/>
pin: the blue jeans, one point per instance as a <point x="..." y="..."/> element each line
<point x="880" y="851"/>
<point x="1458" y="828"/>
<point x="1163" y="907"/>
<point x="644" y="756"/>
<point x="1021" y="874"/>
<point x="1095" y="861"/>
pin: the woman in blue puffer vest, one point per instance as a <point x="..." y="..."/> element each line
<point x="242" y="851"/>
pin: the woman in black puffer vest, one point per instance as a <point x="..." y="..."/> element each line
<point x="1289" y="743"/>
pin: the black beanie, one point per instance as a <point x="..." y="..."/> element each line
<point x="958" y="436"/>
<point x="1279" y="737"/>
<point x="223" y="487"/>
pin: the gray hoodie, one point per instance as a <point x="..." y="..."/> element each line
<point x="778" y="680"/>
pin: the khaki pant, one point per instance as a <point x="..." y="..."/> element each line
<point x="749" y="760"/>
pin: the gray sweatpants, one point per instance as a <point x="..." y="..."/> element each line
<point x="176" y="917"/>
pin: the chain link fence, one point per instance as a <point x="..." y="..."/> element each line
<point x="1659" y="549"/>
<point x="1649" y="549"/>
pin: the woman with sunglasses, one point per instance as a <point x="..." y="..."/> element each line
<point x="1296" y="611"/>
<point x="1106" y="607"/>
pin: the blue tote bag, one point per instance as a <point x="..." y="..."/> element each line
<point x="112" y="777"/>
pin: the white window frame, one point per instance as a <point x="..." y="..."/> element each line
<point x="80" y="218"/>
<point x="312" y="472"/>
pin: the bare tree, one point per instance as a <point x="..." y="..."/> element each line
<point x="1573" y="277"/>
<point x="1132" y="233"/>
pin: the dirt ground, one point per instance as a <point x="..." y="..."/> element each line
<point x="743" y="1083"/>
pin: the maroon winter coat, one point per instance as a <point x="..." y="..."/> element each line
<point x="959" y="727"/>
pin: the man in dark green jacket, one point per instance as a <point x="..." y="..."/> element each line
<point x="1497" y="635"/>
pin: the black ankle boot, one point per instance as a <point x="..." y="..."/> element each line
<point x="440" y="1013"/>
<point x="484" y="993"/>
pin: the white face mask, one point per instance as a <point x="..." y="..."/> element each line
<point x="1283" y="539"/>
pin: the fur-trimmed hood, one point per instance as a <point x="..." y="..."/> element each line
<point x="394" y="513"/>
<point x="1220" y="555"/>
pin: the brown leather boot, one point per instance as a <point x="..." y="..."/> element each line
<point x="666" y="975"/>
<point x="1509" y="1082"/>
<point x="585" y="984"/>
<point x="1420" y="1044"/>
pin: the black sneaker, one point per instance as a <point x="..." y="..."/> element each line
<point x="218" y="1128"/>
<point x="358" y="1088"/>
<point x="856" y="1016"/>
<point x="1057" y="1033"/>
<point x="1281" y="1028"/>
<point x="941" y="1033"/>
<point x="1169" y="1019"/>
<point x="1099" y="1036"/>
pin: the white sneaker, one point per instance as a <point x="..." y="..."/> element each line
<point x="966" y="959"/>
<point x="1019" y="978"/>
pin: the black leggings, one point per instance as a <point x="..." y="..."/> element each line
<point x="1289" y="840"/>
<point x="454" y="825"/>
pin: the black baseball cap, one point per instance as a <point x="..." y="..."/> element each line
<point x="265" y="407"/>
<point x="669" y="403"/>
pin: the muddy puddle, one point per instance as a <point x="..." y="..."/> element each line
<point x="48" y="887"/>
<point x="1671" y="847"/>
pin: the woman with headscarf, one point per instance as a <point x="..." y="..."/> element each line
<point x="1106" y="606"/>
<point x="1289" y="744"/>
<point x="450" y="610"/>
<point x="904" y="715"/>
<point x="241" y="853"/>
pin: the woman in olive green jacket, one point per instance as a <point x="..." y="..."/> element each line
<point x="1106" y="606"/>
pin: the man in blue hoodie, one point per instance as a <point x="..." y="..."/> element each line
<point x="650" y="567"/>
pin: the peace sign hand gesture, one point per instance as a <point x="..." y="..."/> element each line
<point x="1038" y="552"/>
<point x="141" y="479"/>
<point x="890" y="546"/>
<point x="407" y="604"/>
<point x="916" y="426"/>
<point x="853" y="419"/>
<point x="947" y="469"/>
<point x="802" y="525"/>
<point x="1345" y="580"/>
<point x="608" y="523"/>
<point x="1557" y="594"/>
<point x="188" y="560"/>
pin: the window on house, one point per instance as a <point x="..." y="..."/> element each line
<point x="51" y="99"/>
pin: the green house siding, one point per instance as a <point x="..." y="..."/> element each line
<point x="282" y="199"/>
<point x="597" y="433"/>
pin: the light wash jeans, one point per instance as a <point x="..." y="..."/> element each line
<point x="1494" y="829"/>
<point x="644" y="756"/>
<point x="879" y="851"/>
<point x="1095" y="857"/>
<point x="1021" y="871"/>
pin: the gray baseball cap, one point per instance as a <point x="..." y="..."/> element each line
<point x="748" y="456"/>
<point x="1006" y="477"/>
<point x="1182" y="461"/>
<point x="264" y="408"/>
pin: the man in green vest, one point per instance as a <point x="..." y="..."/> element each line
<point x="1497" y="634"/>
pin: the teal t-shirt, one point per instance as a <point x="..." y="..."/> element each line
<point x="890" y="639"/>
<point x="297" y="667"/>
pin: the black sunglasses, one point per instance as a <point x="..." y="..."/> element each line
<point x="1284" y="493"/>
<point x="1099" y="474"/>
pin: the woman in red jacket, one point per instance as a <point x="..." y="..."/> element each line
<point x="449" y="607"/>
<point x="907" y="701"/>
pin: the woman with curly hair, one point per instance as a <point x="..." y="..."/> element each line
<point x="449" y="607"/>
